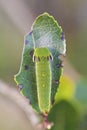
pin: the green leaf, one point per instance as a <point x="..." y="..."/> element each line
<point x="64" y="116"/>
<point x="26" y="78"/>
<point x="45" y="33"/>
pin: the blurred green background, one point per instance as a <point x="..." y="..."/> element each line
<point x="16" y="18"/>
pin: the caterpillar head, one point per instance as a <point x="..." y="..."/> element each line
<point x="42" y="54"/>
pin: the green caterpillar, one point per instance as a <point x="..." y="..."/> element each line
<point x="42" y="58"/>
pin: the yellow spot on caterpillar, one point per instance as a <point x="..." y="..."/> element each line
<point x="43" y="85"/>
<point x="43" y="74"/>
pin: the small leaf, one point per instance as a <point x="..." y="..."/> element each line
<point x="64" y="116"/>
<point x="45" y="33"/>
